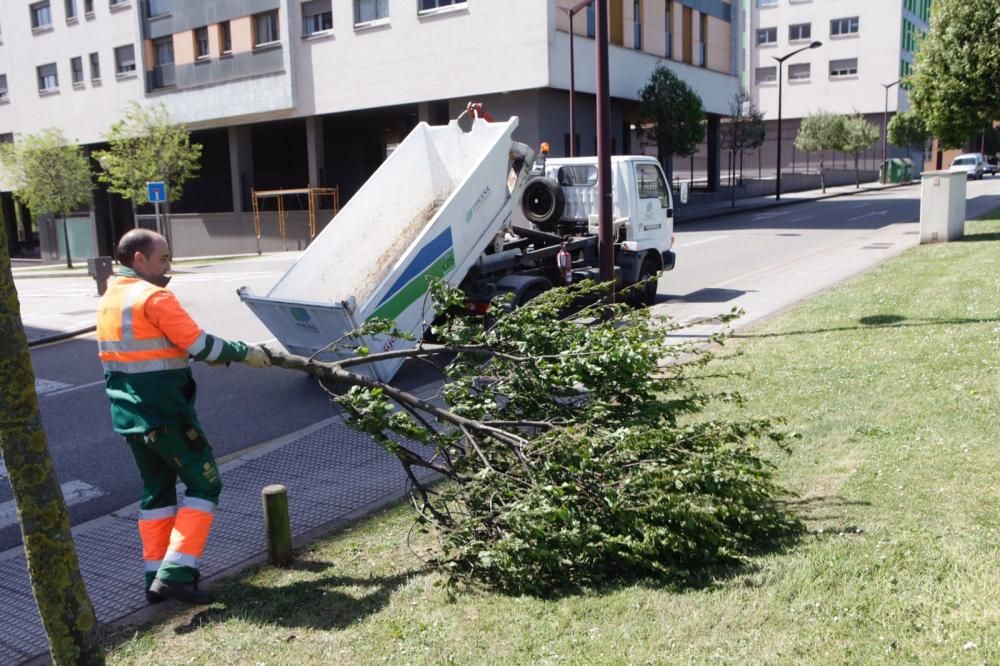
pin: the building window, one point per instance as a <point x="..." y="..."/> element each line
<point x="88" y="7"/>
<point x="767" y="36"/>
<point x="265" y="28"/>
<point x="7" y="137"/>
<point x="317" y="17"/>
<point x="48" y="78"/>
<point x="767" y="3"/>
<point x="157" y="7"/>
<point x="76" y="67"/>
<point x="70" y="11"/>
<point x="799" y="72"/>
<point x="95" y="67"/>
<point x="799" y="32"/>
<point x="841" y="69"/>
<point x="117" y="3"/>
<point x="703" y="44"/>
<point x="201" y="42"/>
<point x="366" y="11"/>
<point x="41" y="16"/>
<point x="428" y="5"/>
<point x="163" y="52"/>
<point x="766" y="75"/>
<point x="667" y="41"/>
<point x="3" y="89"/>
<point x="124" y="59"/>
<point x="637" y="23"/>
<point x="591" y="21"/>
<point x="844" y="26"/>
<point x="225" y="38"/>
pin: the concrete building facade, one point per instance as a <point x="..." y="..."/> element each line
<point x="866" y="46"/>
<point x="285" y="93"/>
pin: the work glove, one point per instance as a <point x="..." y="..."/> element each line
<point x="257" y="357"/>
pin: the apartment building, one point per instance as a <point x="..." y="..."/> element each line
<point x="867" y="47"/>
<point x="288" y="93"/>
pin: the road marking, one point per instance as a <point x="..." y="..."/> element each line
<point x="75" y="492"/>
<point x="873" y="214"/>
<point x="43" y="386"/>
<point x="703" y="240"/>
<point x="799" y="219"/>
<point x="862" y="205"/>
<point x="768" y="216"/>
<point x="76" y="388"/>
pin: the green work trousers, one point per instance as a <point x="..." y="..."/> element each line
<point x="162" y="456"/>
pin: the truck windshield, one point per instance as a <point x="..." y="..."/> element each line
<point x="581" y="175"/>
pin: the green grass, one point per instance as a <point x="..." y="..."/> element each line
<point x="893" y="381"/>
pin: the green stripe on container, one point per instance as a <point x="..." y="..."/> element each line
<point x="416" y="288"/>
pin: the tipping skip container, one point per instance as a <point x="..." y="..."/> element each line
<point x="429" y="211"/>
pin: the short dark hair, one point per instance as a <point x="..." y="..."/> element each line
<point x="136" y="240"/>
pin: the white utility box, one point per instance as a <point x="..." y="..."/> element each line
<point x="942" y="206"/>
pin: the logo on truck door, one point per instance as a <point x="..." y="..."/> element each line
<point x="434" y="260"/>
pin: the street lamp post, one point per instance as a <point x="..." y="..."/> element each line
<point x="885" y="127"/>
<point x="781" y="62"/>
<point x="572" y="11"/>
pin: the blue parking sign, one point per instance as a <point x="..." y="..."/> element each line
<point x="156" y="191"/>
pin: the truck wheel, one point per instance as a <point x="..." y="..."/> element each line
<point x="543" y="200"/>
<point x="643" y="293"/>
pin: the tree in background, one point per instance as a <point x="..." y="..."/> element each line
<point x="744" y="130"/>
<point x="49" y="175"/>
<point x="956" y="77"/>
<point x="907" y="129"/>
<point x="146" y="146"/>
<point x="858" y="135"/>
<point x="671" y="115"/>
<point x="821" y="131"/>
<point x="60" y="593"/>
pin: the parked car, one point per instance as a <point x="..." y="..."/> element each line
<point x="972" y="164"/>
<point x="992" y="165"/>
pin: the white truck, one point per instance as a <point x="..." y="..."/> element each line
<point x="465" y="203"/>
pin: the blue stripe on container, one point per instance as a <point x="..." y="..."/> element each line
<point x="425" y="257"/>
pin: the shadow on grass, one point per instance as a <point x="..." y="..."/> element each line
<point x="976" y="238"/>
<point x="874" y="321"/>
<point x="329" y="601"/>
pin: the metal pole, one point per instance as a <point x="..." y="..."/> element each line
<point x="156" y="207"/>
<point x="605" y="231"/>
<point x="572" y="91"/>
<point x="885" y="132"/>
<point x="777" y="191"/>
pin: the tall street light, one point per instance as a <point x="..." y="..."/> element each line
<point x="572" y="11"/>
<point x="885" y="127"/>
<point x="781" y="62"/>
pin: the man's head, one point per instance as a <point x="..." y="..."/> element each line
<point x="147" y="253"/>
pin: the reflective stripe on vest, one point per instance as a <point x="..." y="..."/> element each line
<point x="130" y="354"/>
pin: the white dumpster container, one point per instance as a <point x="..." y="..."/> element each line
<point x="942" y="206"/>
<point x="430" y="210"/>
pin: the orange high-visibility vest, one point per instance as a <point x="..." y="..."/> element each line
<point x="127" y="341"/>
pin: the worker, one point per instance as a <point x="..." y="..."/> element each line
<point x="145" y="339"/>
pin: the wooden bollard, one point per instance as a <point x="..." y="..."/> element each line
<point x="277" y="525"/>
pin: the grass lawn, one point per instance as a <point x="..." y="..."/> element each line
<point x="893" y="381"/>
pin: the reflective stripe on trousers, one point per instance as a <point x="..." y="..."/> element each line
<point x="190" y="532"/>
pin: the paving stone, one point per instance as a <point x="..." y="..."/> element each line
<point x="22" y="627"/>
<point x="9" y="655"/>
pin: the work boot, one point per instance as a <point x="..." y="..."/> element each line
<point x="153" y="597"/>
<point x="188" y="593"/>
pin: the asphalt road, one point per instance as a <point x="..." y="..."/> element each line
<point x="720" y="263"/>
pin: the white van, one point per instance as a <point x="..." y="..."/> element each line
<point x="970" y="163"/>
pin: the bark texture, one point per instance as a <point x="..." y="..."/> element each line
<point x="65" y="608"/>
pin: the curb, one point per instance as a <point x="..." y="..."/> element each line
<point x="777" y="204"/>
<point x="63" y="335"/>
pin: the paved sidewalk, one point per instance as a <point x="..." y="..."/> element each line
<point x="706" y="211"/>
<point x="334" y="475"/>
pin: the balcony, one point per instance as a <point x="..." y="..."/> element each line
<point x="163" y="76"/>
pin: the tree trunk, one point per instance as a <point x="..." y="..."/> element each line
<point x="822" y="173"/>
<point x="732" y="178"/>
<point x="69" y="259"/>
<point x="63" y="604"/>
<point x="857" y="173"/>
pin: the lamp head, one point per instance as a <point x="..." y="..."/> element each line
<point x="816" y="45"/>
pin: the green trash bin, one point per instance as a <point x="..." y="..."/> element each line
<point x="892" y="171"/>
<point x="907" y="169"/>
